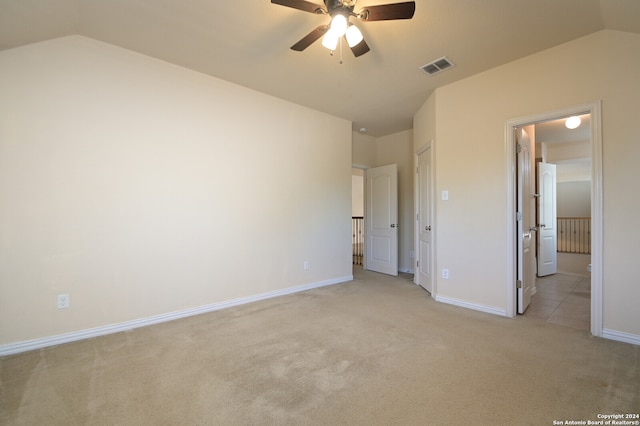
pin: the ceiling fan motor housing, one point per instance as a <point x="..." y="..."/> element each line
<point x="337" y="7"/>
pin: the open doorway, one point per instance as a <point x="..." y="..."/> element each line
<point x="569" y="150"/>
<point x="375" y="218"/>
<point x="577" y="156"/>
<point x="560" y="233"/>
<point x="357" y="217"/>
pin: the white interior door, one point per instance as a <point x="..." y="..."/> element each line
<point x="381" y="220"/>
<point x="547" y="227"/>
<point x="526" y="218"/>
<point x="425" y="226"/>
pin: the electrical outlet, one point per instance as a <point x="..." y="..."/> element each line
<point x="63" y="301"/>
<point x="445" y="274"/>
<point x="306" y="265"/>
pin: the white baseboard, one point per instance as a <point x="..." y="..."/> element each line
<point x="29" y="345"/>
<point x="621" y="336"/>
<point x="406" y="270"/>
<point x="476" y="307"/>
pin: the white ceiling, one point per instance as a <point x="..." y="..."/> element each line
<point x="247" y="42"/>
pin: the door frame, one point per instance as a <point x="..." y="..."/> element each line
<point x="595" y="109"/>
<point x="417" y="197"/>
<point x="364" y="208"/>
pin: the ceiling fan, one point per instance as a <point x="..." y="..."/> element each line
<point x="340" y="12"/>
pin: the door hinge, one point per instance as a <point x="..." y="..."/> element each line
<point x="518" y="148"/>
<point x="417" y="216"/>
<point x="518" y="216"/>
<point x="418" y="263"/>
<point x="418" y="170"/>
<point x="518" y="283"/>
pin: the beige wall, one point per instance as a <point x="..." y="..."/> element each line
<point x="468" y="121"/>
<point x="574" y="199"/>
<point x="141" y="188"/>
<point x="363" y="150"/>
<point x="424" y="124"/>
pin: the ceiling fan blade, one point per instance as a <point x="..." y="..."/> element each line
<point x="360" y="48"/>
<point x="386" y="12"/>
<point x="308" y="40"/>
<point x="303" y="5"/>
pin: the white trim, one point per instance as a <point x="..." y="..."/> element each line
<point x="424" y="148"/>
<point x="476" y="307"/>
<point x="511" y="225"/>
<point x="621" y="336"/>
<point x="29" y="345"/>
<point x="416" y="207"/>
<point x="597" y="222"/>
<point x="596" y="206"/>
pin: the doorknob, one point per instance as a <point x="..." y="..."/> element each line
<point x="542" y="225"/>
<point x="427" y="228"/>
<point x="533" y="228"/>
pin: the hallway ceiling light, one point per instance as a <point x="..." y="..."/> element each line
<point x="573" y="122"/>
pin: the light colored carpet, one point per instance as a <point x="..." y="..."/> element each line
<point x="375" y="351"/>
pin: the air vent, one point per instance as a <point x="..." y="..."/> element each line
<point x="438" y="65"/>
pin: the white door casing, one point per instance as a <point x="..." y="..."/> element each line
<point x="381" y="219"/>
<point x="595" y="109"/>
<point x="525" y="217"/>
<point x="425" y="222"/>
<point x="547" y="228"/>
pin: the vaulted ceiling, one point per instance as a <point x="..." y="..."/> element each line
<point x="247" y="42"/>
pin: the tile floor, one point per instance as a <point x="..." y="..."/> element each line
<point x="562" y="299"/>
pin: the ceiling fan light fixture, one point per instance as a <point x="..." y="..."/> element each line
<point x="330" y="40"/>
<point x="339" y="24"/>
<point x="354" y="36"/>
